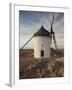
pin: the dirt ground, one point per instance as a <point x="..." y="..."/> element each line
<point x="30" y="67"/>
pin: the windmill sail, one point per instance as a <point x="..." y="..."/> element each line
<point x="26" y="43"/>
<point x="52" y="32"/>
<point x="52" y="24"/>
<point x="54" y="40"/>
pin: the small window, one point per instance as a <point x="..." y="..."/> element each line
<point x="42" y="45"/>
<point x="42" y="53"/>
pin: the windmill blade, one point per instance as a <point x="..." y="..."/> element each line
<point x="52" y="23"/>
<point x="26" y="43"/>
<point x="54" y="40"/>
<point x="52" y="19"/>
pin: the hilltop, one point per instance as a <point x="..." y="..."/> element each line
<point x="30" y="67"/>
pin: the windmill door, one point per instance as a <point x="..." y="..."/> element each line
<point x="42" y="53"/>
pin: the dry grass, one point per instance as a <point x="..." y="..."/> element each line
<point x="30" y="67"/>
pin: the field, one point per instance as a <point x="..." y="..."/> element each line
<point x="30" y="67"/>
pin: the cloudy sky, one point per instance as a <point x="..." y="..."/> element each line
<point x="31" y="21"/>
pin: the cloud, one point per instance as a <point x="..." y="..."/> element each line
<point x="31" y="21"/>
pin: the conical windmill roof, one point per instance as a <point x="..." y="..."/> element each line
<point x="42" y="32"/>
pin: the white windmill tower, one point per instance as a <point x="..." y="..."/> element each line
<point x="42" y="40"/>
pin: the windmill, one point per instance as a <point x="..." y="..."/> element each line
<point x="42" y="41"/>
<point x="53" y="33"/>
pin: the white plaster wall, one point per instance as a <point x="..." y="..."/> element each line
<point x="41" y="43"/>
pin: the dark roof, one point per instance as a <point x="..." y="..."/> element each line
<point x="42" y="32"/>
